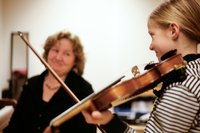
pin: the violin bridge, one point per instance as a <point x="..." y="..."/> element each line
<point x="135" y="71"/>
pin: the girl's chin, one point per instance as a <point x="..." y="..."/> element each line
<point x="158" y="57"/>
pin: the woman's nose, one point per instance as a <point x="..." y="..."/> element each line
<point x="59" y="56"/>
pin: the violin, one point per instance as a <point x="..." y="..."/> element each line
<point x="116" y="91"/>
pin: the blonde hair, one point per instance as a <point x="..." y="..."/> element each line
<point x="185" y="12"/>
<point x="77" y="49"/>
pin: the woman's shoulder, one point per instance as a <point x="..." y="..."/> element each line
<point x="33" y="83"/>
<point x="37" y="78"/>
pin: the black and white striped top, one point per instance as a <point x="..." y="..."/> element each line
<point x="178" y="109"/>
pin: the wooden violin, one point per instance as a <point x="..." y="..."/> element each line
<point x="105" y="98"/>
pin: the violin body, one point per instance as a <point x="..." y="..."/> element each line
<point x="119" y="90"/>
<point x="133" y="86"/>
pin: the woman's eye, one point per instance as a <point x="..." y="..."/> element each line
<point x="67" y="54"/>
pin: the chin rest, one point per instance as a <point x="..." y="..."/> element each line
<point x="7" y="107"/>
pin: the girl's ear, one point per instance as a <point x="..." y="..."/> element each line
<point x="175" y="30"/>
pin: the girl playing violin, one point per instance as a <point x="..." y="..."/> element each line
<point x="175" y="24"/>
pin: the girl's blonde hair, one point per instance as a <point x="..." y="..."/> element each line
<point x="184" y="12"/>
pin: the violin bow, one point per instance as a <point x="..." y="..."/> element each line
<point x="66" y="88"/>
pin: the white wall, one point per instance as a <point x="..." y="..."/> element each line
<point x="113" y="32"/>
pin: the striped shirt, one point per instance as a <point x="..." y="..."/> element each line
<point x="178" y="109"/>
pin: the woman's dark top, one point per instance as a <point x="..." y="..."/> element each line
<point x="33" y="115"/>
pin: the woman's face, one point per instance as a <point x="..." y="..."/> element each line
<point x="61" y="57"/>
<point x="162" y="41"/>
